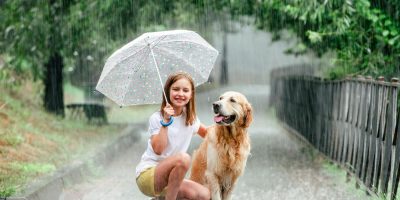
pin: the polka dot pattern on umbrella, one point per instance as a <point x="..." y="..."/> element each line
<point x="130" y="75"/>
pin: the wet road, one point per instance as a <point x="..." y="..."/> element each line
<point x="280" y="166"/>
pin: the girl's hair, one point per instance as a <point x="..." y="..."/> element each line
<point x="190" y="106"/>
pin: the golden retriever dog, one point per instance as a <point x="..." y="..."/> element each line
<point x="222" y="156"/>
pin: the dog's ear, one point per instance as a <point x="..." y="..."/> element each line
<point x="248" y="116"/>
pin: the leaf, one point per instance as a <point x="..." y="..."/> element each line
<point x="393" y="40"/>
<point x="374" y="18"/>
<point x="347" y="21"/>
<point x="314" y="37"/>
<point x="8" y="30"/>
<point x="393" y="32"/>
<point x="385" y="33"/>
<point x="388" y="22"/>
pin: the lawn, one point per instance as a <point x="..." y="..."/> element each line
<point x="34" y="143"/>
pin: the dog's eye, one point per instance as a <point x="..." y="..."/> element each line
<point x="233" y="100"/>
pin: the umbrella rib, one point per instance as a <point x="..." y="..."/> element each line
<point x="189" y="41"/>
<point x="140" y="50"/>
<point x="159" y="40"/>
<point x="177" y="56"/>
<point x="156" y="41"/>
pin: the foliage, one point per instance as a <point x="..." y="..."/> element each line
<point x="18" y="32"/>
<point x="364" y="34"/>
<point x="33" y="143"/>
<point x="365" y="38"/>
<point x="84" y="32"/>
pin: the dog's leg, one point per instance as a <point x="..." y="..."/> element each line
<point x="214" y="186"/>
<point x="227" y="194"/>
<point x="199" y="165"/>
<point x="229" y="186"/>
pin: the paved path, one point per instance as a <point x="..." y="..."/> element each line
<point x="280" y="167"/>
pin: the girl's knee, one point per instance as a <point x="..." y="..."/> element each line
<point x="183" y="160"/>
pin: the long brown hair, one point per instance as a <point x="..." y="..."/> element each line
<point x="190" y="106"/>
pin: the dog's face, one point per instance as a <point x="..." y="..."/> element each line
<point x="232" y="108"/>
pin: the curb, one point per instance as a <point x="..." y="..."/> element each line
<point x="50" y="187"/>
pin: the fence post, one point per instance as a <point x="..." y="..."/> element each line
<point x="382" y="93"/>
<point x="361" y="120"/>
<point x="345" y="120"/>
<point x="396" y="153"/>
<point x="372" y="132"/>
<point x="355" y="130"/>
<point x="388" y="135"/>
<point x="366" y="129"/>
<point x="352" y="101"/>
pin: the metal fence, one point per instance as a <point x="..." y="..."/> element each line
<point x="354" y="122"/>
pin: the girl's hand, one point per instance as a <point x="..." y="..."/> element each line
<point x="202" y="131"/>
<point x="168" y="112"/>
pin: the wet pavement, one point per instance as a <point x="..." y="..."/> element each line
<point x="280" y="166"/>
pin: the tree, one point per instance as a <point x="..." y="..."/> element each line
<point x="37" y="37"/>
<point x="52" y="34"/>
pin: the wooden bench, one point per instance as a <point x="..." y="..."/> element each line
<point x="93" y="112"/>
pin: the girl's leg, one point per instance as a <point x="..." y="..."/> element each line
<point x="193" y="191"/>
<point x="170" y="173"/>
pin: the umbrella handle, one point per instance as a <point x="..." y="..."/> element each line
<point x="158" y="72"/>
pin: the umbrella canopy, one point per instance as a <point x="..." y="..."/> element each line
<point x="134" y="74"/>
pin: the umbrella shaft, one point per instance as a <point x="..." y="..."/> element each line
<point x="158" y="72"/>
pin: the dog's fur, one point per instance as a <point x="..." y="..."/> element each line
<point x="222" y="156"/>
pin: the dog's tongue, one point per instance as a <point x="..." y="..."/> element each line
<point x="218" y="118"/>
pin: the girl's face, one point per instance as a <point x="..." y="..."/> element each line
<point x="180" y="92"/>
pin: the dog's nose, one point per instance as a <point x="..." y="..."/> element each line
<point x="216" y="107"/>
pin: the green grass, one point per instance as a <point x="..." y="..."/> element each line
<point x="339" y="174"/>
<point x="33" y="168"/>
<point x="34" y="143"/>
<point x="73" y="94"/>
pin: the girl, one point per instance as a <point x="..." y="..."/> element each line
<point x="165" y="162"/>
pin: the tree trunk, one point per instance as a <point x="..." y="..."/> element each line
<point x="224" y="65"/>
<point x="53" y="83"/>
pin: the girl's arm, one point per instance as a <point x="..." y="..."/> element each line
<point x="202" y="131"/>
<point x="160" y="141"/>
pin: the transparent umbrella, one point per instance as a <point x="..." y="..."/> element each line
<point x="135" y="73"/>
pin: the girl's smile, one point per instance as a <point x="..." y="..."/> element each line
<point x="180" y="94"/>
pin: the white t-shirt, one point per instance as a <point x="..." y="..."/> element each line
<point x="179" y="137"/>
